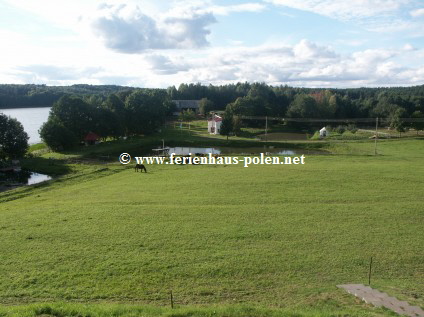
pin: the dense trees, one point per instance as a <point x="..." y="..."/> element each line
<point x="259" y="99"/>
<point x="17" y="96"/>
<point x="187" y="115"/>
<point x="146" y="110"/>
<point x="418" y="125"/>
<point x="72" y="118"/>
<point x="303" y="106"/>
<point x="13" y="138"/>
<point x="256" y="98"/>
<point x="57" y="136"/>
<point x="113" y="111"/>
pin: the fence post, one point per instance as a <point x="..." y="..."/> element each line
<point x="376" y="136"/>
<point x="172" y="301"/>
<point x="369" y="272"/>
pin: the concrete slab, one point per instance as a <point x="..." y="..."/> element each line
<point x="380" y="299"/>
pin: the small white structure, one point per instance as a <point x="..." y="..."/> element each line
<point x="323" y="133"/>
<point x="214" y="124"/>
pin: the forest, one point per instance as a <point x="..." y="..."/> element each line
<point x="246" y="98"/>
<point x="116" y="111"/>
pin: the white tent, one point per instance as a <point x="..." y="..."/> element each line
<point x="323" y="133"/>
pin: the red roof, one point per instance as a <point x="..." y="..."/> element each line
<point x="91" y="136"/>
<point x="216" y="119"/>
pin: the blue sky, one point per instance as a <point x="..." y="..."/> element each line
<point x="310" y="43"/>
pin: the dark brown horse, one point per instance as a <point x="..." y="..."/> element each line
<point x="140" y="167"/>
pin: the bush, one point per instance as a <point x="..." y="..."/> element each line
<point x="352" y="128"/>
<point x="57" y="136"/>
<point x="316" y="136"/>
<point x="340" y="129"/>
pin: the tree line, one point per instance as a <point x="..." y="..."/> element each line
<point x="123" y="114"/>
<point x="27" y="96"/>
<point x="115" y="111"/>
<point x="256" y="99"/>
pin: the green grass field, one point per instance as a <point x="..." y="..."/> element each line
<point x="227" y="240"/>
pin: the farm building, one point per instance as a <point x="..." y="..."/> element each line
<point x="91" y="138"/>
<point x="214" y="124"/>
<point x="183" y="105"/>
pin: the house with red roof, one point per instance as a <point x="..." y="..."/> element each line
<point x="214" y="124"/>
<point x="91" y="139"/>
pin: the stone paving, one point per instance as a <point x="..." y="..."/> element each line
<point x="379" y="299"/>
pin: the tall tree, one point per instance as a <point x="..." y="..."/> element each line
<point x="13" y="138"/>
<point x="74" y="114"/>
<point x="145" y="111"/>
<point x="418" y="125"/>
<point x="205" y="106"/>
<point x="226" y="125"/>
<point x="57" y="136"/>
<point x="303" y="106"/>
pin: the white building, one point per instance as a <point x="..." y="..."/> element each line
<point x="214" y="124"/>
<point x="323" y="133"/>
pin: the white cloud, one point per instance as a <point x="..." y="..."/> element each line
<point x="164" y="65"/>
<point x="167" y="41"/>
<point x="308" y="50"/>
<point x="382" y="16"/>
<point x="245" y="7"/>
<point x="127" y="29"/>
<point x="417" y="12"/>
<point x="55" y="74"/>
<point x="342" y="9"/>
<point x="303" y="64"/>
<point x="408" y="47"/>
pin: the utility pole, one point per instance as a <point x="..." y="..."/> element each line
<point x="376" y="136"/>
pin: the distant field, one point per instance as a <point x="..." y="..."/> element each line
<point x="273" y="236"/>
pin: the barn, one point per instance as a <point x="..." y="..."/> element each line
<point x="184" y="105"/>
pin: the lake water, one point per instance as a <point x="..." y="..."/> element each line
<point x="23" y="178"/>
<point x="31" y="118"/>
<point x="238" y="150"/>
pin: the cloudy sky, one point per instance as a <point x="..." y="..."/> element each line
<point x="159" y="43"/>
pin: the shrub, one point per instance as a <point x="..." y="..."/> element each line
<point x="340" y="129"/>
<point x="315" y="136"/>
<point x="352" y="128"/>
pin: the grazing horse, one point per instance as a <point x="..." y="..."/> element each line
<point x="140" y="167"/>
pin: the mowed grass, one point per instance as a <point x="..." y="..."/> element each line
<point x="274" y="236"/>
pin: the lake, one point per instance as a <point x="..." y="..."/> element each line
<point x="31" y="118"/>
<point x="12" y="180"/>
<point x="239" y="150"/>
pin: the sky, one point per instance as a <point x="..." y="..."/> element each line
<point x="160" y="43"/>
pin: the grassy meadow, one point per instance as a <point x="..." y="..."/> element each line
<point x="227" y="240"/>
